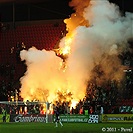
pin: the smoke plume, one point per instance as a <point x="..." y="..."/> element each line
<point x="97" y="34"/>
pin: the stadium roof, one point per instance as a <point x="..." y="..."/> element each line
<point x="45" y="9"/>
<point x="22" y="1"/>
<point x="39" y="9"/>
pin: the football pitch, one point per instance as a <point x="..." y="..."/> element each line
<point x="67" y="128"/>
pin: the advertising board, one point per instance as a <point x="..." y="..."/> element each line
<point x="28" y="118"/>
<point x="117" y="118"/>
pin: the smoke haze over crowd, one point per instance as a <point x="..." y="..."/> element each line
<point x="97" y="34"/>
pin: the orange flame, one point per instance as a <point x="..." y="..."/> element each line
<point x="66" y="49"/>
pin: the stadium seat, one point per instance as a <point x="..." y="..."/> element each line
<point x="42" y="36"/>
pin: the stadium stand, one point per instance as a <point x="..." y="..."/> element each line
<point x="45" y="34"/>
<point x="41" y="34"/>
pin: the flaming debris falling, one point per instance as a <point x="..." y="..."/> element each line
<point x="97" y="33"/>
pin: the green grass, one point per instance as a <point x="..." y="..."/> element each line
<point x="67" y="128"/>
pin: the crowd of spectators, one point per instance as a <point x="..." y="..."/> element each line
<point x="7" y="72"/>
<point x="98" y="99"/>
<point x="106" y="98"/>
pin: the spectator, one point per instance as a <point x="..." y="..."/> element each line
<point x="4" y="113"/>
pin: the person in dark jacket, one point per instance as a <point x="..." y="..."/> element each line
<point x="57" y="118"/>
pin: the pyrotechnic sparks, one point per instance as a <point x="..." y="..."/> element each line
<point x="85" y="46"/>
